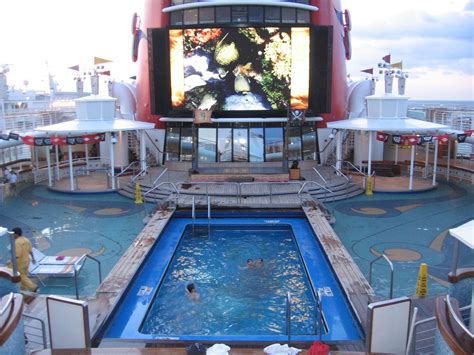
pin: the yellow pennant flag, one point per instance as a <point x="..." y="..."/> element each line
<point x="398" y="65"/>
<point x="98" y="60"/>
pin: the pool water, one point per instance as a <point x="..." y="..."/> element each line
<point x="234" y="299"/>
<point x="411" y="229"/>
<point x="236" y="304"/>
<point x="102" y="225"/>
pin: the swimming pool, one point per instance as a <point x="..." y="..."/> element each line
<point x="103" y="225"/>
<point x="237" y="304"/>
<point x="410" y="228"/>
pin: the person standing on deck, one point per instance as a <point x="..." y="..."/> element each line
<point x="23" y="251"/>
<point x="12" y="180"/>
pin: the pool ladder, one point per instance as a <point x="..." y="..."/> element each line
<point x="318" y="327"/>
<point x="193" y="214"/>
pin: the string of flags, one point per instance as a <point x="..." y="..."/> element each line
<point x="421" y="139"/>
<point x="45" y="141"/>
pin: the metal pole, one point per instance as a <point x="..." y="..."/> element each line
<point x="338" y="152"/>
<point x="112" y="162"/>
<point x="396" y="153"/>
<point x="427" y="153"/>
<point x="86" y="153"/>
<point x="208" y="216"/>
<point x="143" y="162"/>
<point x="56" y="151"/>
<point x="412" y="165"/>
<point x="75" y="282"/>
<point x="454" y="266"/>
<point x="369" y="163"/>
<point x="48" y="162"/>
<point x="449" y="160"/>
<point x="193" y="213"/>
<point x="435" y="162"/>
<point x="71" y="170"/>
<point x="288" y="317"/>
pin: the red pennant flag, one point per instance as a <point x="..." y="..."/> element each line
<point x="409" y="140"/>
<point x="58" y="141"/>
<point x="28" y="140"/>
<point x="105" y="72"/>
<point x="368" y="71"/>
<point x="381" y="137"/>
<point x="443" y="139"/>
<point x="469" y="132"/>
<point x="387" y="58"/>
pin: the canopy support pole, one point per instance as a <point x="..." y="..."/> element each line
<point x="435" y="162"/>
<point x="338" y="151"/>
<point x="369" y="160"/>
<point x="56" y="153"/>
<point x="112" y="161"/>
<point x="427" y="153"/>
<point x="143" y="163"/>
<point x="48" y="162"/>
<point x="71" y="170"/>
<point x="449" y="160"/>
<point x="412" y="165"/>
<point x="396" y="153"/>
<point x="86" y="153"/>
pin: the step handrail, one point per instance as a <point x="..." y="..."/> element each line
<point x="390" y="264"/>
<point x="161" y="184"/>
<point x="129" y="166"/>
<point x="140" y="173"/>
<point x="455" y="317"/>
<point x="319" y="174"/>
<point x="340" y="172"/>
<point x="354" y="167"/>
<point x="159" y="176"/>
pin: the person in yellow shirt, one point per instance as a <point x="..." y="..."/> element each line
<point x="23" y="251"/>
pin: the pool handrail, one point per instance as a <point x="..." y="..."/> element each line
<point x="317" y="184"/>
<point x="161" y="184"/>
<point x="140" y="173"/>
<point x="390" y="264"/>
<point x="208" y="215"/>
<point x="340" y="172"/>
<point x="319" y="307"/>
<point x="129" y="166"/>
<point x="159" y="176"/>
<point x="288" y="316"/>
<point x="319" y="174"/>
<point x="354" y="167"/>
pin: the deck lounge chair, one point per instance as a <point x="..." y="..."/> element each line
<point x="59" y="266"/>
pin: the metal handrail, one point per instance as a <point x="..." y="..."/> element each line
<point x="193" y="212"/>
<point x="390" y="264"/>
<point x="207" y="184"/>
<point x="140" y="173"/>
<point x="288" y="317"/>
<point x="315" y="183"/>
<point x="159" y="176"/>
<point x="208" y="216"/>
<point x="161" y="184"/>
<point x="319" y="307"/>
<point x="123" y="171"/>
<point x="340" y="172"/>
<point x="354" y="167"/>
<point x="459" y="322"/>
<point x="42" y="328"/>
<point x="319" y="174"/>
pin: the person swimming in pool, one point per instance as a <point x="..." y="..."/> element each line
<point x="259" y="263"/>
<point x="249" y="265"/>
<point x="192" y="292"/>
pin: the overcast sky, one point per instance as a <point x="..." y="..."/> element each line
<point x="434" y="38"/>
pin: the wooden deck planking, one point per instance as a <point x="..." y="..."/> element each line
<point x="356" y="287"/>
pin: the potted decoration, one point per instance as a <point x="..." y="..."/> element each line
<point x="295" y="173"/>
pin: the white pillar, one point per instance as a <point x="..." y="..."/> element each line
<point x="339" y="150"/>
<point x="427" y="154"/>
<point x="449" y="160"/>
<point x="143" y="163"/>
<point x="112" y="161"/>
<point x="48" y="162"/>
<point x="435" y="162"/>
<point x="56" y="152"/>
<point x="86" y="152"/>
<point x="412" y="165"/>
<point x="71" y="170"/>
<point x="369" y="160"/>
<point x="396" y="153"/>
<point x="36" y="157"/>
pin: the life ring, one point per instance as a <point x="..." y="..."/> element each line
<point x="347" y="20"/>
<point x="347" y="43"/>
<point x="136" y="41"/>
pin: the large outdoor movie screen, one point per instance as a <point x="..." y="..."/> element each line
<point x="240" y="69"/>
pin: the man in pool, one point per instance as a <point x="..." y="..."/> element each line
<point x="249" y="265"/>
<point x="192" y="292"/>
<point x="259" y="263"/>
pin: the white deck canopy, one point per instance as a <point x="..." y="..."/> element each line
<point x="96" y="114"/>
<point x="464" y="233"/>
